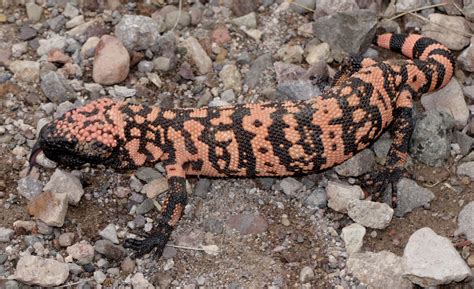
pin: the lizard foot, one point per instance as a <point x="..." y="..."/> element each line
<point x="157" y="239"/>
<point x="377" y="183"/>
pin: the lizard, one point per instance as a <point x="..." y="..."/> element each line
<point x="257" y="139"/>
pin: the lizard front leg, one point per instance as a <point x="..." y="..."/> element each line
<point x="173" y="208"/>
<point x="401" y="130"/>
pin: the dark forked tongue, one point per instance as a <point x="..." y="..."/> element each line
<point x="34" y="153"/>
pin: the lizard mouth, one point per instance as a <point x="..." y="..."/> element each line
<point x="34" y="154"/>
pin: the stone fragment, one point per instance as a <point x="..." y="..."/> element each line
<point x="340" y="195"/>
<point x="50" y="208"/>
<point x="378" y="270"/>
<point x="353" y="236"/>
<point x="34" y="270"/>
<point x="432" y="260"/>
<point x="137" y="32"/>
<point x="441" y="27"/>
<point x="111" y="61"/>
<point x="411" y="196"/>
<point x="198" y="55"/>
<point x="370" y="214"/>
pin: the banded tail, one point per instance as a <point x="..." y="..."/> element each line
<point x="433" y="60"/>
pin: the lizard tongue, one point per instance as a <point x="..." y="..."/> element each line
<point x="34" y="153"/>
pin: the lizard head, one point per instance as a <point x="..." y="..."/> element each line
<point x="88" y="134"/>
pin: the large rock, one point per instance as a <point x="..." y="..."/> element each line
<point x="353" y="236"/>
<point x="25" y="70"/>
<point x="340" y="195"/>
<point x="466" y="222"/>
<point x="50" y="208"/>
<point x="56" y="88"/>
<point x="449" y="99"/>
<point x="34" y="270"/>
<point x="137" y="32"/>
<point x="62" y="182"/>
<point x="466" y="58"/>
<point x="378" y="270"/>
<point x="431" y="139"/>
<point x="349" y="32"/>
<point x="432" y="260"/>
<point x="441" y="27"/>
<point x="370" y="214"/>
<point x="410" y="196"/>
<point x="198" y="55"/>
<point x="111" y="61"/>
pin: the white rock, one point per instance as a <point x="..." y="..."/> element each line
<point x="435" y="29"/>
<point x="353" y="236"/>
<point x="53" y="42"/>
<point x="449" y="99"/>
<point x="6" y="234"/>
<point x="35" y="270"/>
<point x="83" y="252"/>
<point x="198" y="55"/>
<point x="110" y="233"/>
<point x="25" y="70"/>
<point x="466" y="169"/>
<point x="432" y="260"/>
<point x="378" y="270"/>
<point x="370" y="214"/>
<point x="62" y="182"/>
<point x="466" y="222"/>
<point x="318" y="53"/>
<point x="230" y="76"/>
<point x="340" y="195"/>
<point x="139" y="281"/>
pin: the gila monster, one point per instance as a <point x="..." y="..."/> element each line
<point x="263" y="139"/>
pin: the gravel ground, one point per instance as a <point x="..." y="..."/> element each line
<point x="310" y="231"/>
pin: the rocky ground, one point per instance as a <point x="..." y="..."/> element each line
<point x="66" y="227"/>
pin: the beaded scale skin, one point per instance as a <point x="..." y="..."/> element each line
<point x="265" y="139"/>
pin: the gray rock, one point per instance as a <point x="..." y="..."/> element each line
<point x="147" y="174"/>
<point x="88" y="48"/>
<point x="34" y="270"/>
<point x="330" y="7"/>
<point x="411" y="196"/>
<point x="110" y="233"/>
<point x="6" y="234"/>
<point x="56" y="88"/>
<point x="370" y="214"/>
<point x="25" y="70"/>
<point x="123" y="91"/>
<point x="57" y="23"/>
<point x="3" y="258"/>
<point x="317" y="199"/>
<point x="53" y="42"/>
<point x="303" y="6"/>
<point x="378" y="270"/>
<point x="62" y="182"/>
<point x="247" y="224"/>
<point x="137" y="32"/>
<point x="198" y="55"/>
<point x="248" y="21"/>
<point x="109" y="250"/>
<point x="83" y="252"/>
<point x="146" y="206"/>
<point x="440" y="28"/>
<point x="381" y="148"/>
<point x="432" y="260"/>
<point x="290" y="186"/>
<point x="76" y="21"/>
<point x="139" y="281"/>
<point x="243" y="7"/>
<point x="145" y="66"/>
<point x="29" y="187"/>
<point x="320" y="53"/>
<point x="406" y="5"/>
<point x="464" y="141"/>
<point x="162" y="63"/>
<point x="70" y="11"/>
<point x="466" y="58"/>
<point x="291" y="54"/>
<point x="466" y="169"/>
<point x="202" y="188"/>
<point x="297" y="90"/>
<point x="353" y="236"/>
<point x="214" y="226"/>
<point x="340" y="195"/>
<point x="95" y="27"/>
<point x="349" y="32"/>
<point x="358" y="165"/>
<point x="172" y="17"/>
<point x="466" y="222"/>
<point x="33" y="11"/>
<point x="66" y="239"/>
<point x="257" y="68"/>
<point x="306" y="274"/>
<point x="231" y="78"/>
<point x="431" y="139"/>
<point x="449" y="99"/>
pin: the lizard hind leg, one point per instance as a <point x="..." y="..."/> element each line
<point x="349" y="66"/>
<point x="401" y="131"/>
<point x="173" y="209"/>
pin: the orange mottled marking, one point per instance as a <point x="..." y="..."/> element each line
<point x="132" y="149"/>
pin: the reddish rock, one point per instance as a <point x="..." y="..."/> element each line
<point x="221" y="35"/>
<point x="50" y="208"/>
<point x="56" y="55"/>
<point x="248" y="224"/>
<point x="111" y="61"/>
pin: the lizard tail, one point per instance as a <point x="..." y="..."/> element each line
<point x="437" y="60"/>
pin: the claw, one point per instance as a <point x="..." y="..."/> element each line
<point x="157" y="240"/>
